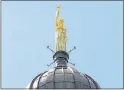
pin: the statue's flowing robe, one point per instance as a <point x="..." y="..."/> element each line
<point x="61" y="40"/>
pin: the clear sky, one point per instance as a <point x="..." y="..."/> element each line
<point x="94" y="27"/>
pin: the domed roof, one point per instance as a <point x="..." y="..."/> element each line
<point x="63" y="77"/>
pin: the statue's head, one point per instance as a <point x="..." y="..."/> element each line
<point x="61" y="21"/>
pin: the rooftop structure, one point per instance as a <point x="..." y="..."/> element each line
<point x="62" y="75"/>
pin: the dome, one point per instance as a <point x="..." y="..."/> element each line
<point x="60" y="77"/>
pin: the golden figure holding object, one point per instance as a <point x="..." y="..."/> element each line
<point x="61" y="36"/>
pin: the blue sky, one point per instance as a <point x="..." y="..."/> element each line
<point x="94" y="27"/>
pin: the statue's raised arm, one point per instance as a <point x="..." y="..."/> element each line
<point x="57" y="15"/>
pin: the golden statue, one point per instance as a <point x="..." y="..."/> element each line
<point x="61" y="36"/>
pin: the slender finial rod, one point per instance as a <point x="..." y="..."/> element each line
<point x="72" y="49"/>
<point x="72" y="63"/>
<point x="50" y="49"/>
<point x="50" y="64"/>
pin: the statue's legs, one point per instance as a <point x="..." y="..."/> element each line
<point x="57" y="44"/>
<point x="61" y="43"/>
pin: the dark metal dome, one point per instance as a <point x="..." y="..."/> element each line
<point x="62" y="76"/>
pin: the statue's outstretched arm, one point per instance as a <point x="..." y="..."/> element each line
<point x="57" y="15"/>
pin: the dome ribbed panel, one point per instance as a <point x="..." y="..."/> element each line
<point x="64" y="78"/>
